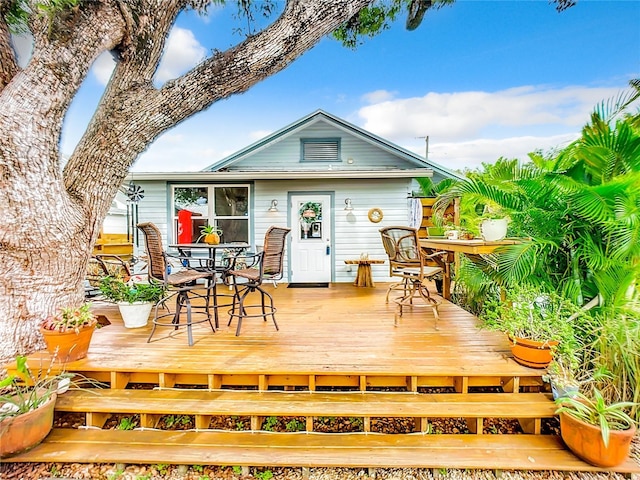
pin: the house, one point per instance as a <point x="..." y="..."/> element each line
<point x="332" y="182"/>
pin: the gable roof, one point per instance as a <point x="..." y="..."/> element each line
<point x="418" y="165"/>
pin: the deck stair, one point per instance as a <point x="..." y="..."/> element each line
<point x="257" y="447"/>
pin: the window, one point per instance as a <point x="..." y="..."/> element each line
<point x="225" y="206"/>
<point x="320" y="149"/>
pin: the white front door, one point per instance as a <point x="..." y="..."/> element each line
<point x="310" y="220"/>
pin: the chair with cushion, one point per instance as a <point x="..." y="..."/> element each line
<point x="408" y="262"/>
<point x="247" y="273"/>
<point x="181" y="284"/>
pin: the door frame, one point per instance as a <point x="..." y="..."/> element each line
<point x="332" y="204"/>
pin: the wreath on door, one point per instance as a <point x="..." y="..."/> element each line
<point x="310" y="212"/>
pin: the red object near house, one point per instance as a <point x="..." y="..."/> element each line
<point x="185" y="232"/>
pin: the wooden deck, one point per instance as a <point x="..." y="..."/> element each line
<point x="341" y="336"/>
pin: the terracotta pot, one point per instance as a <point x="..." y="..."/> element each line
<point x="586" y="442"/>
<point x="71" y="346"/>
<point x="27" y="430"/>
<point x="531" y="353"/>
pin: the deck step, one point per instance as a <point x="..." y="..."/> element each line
<point x="529" y="408"/>
<point x="502" y="452"/>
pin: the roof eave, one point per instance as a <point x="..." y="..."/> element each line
<point x="277" y="175"/>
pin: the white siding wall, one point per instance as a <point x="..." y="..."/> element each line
<point x="353" y="233"/>
<point x="153" y="208"/>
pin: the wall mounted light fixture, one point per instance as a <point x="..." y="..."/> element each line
<point x="347" y="204"/>
<point x="274" y="206"/>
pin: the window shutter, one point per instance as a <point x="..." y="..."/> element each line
<point x="320" y="151"/>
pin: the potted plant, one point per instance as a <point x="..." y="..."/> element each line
<point x="135" y="299"/>
<point x="562" y="377"/>
<point x="68" y="333"/>
<point x="535" y="320"/>
<point x="26" y="407"/>
<point x="598" y="432"/>
<point x="210" y="234"/>
<point x="493" y="224"/>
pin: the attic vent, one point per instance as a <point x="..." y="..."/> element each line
<point x="320" y="149"/>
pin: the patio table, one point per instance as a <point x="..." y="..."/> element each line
<point x="470" y="248"/>
<point x="364" y="278"/>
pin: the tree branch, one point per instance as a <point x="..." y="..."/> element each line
<point x="303" y="24"/>
<point x="8" y="62"/>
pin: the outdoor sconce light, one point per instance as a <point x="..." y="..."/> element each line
<point x="347" y="204"/>
<point x="274" y="206"/>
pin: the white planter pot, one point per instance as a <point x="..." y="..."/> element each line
<point x="135" y="315"/>
<point x="493" y="230"/>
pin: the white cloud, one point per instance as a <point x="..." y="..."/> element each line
<point x="471" y="154"/>
<point x="467" y="115"/>
<point x="103" y="67"/>
<point x="378" y="96"/>
<point x="182" y="52"/>
<point x="466" y="129"/>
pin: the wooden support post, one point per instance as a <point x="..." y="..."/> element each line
<point x="366" y="424"/>
<point x="263" y="383"/>
<point x="167" y="380"/>
<point x="372" y="472"/>
<point x="203" y="421"/>
<point x="412" y="383"/>
<point x="511" y="384"/>
<point x="95" y="419"/>
<point x="363" y="383"/>
<point x="256" y="422"/>
<point x="149" y="420"/>
<point x="531" y="425"/>
<point x="120" y="379"/>
<point x="475" y="425"/>
<point x="461" y="384"/>
<point x="214" y="381"/>
<point x="305" y="473"/>
<point x="309" y="424"/>
<point x="422" y="424"/>
<point x="312" y="383"/>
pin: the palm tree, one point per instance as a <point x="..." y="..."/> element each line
<point x="579" y="208"/>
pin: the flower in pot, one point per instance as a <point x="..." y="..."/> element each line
<point x="134" y="298"/>
<point x="596" y="431"/>
<point x="535" y="320"/>
<point x="26" y="407"/>
<point x="210" y="234"/>
<point x="68" y="333"/>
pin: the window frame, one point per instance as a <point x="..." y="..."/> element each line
<point x="211" y="218"/>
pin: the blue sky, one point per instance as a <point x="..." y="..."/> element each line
<point x="482" y="79"/>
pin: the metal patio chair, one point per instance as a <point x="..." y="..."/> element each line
<point x="181" y="284"/>
<point x="408" y="262"/>
<point x="266" y="265"/>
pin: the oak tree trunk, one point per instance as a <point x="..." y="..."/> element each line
<point x="49" y="216"/>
